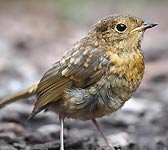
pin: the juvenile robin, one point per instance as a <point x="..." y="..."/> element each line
<point x="96" y="76"/>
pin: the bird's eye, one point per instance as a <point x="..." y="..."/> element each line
<point x="121" y="27"/>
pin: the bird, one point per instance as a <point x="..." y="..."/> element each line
<point x="96" y="76"/>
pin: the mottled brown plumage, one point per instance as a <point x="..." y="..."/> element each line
<point x="98" y="74"/>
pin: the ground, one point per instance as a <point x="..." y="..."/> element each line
<point x="34" y="35"/>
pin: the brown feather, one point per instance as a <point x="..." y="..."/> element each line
<point x="71" y="74"/>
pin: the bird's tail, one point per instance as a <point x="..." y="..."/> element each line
<point x="23" y="94"/>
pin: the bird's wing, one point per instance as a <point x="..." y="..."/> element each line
<point x="79" y="69"/>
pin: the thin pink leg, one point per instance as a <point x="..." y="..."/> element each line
<point x="61" y="133"/>
<point x="102" y="134"/>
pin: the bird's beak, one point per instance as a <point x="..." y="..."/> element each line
<point x="144" y="26"/>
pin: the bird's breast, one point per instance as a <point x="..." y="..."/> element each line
<point x="125" y="72"/>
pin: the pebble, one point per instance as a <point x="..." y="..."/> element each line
<point x="49" y="129"/>
<point x="8" y="136"/>
<point x="122" y="139"/>
<point x="11" y="127"/>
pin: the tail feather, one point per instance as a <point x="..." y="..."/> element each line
<point x="23" y="94"/>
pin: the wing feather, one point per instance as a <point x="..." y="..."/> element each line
<point x="77" y="70"/>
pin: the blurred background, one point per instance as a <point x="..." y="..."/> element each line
<point x="35" y="34"/>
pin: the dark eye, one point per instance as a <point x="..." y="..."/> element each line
<point x="121" y="27"/>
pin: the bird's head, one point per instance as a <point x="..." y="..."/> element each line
<point x="119" y="28"/>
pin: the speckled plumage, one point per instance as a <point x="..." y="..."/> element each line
<point x="98" y="74"/>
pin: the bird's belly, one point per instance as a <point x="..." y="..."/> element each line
<point x="86" y="112"/>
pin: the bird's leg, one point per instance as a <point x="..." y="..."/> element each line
<point x="102" y="134"/>
<point x="61" y="133"/>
